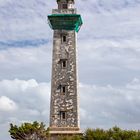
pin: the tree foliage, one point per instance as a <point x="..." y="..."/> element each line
<point x="114" y="133"/>
<point x="29" y="131"/>
<point x="37" y="131"/>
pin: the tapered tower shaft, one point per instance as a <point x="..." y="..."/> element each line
<point x="64" y="108"/>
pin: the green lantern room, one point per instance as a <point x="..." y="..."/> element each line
<point x="65" y="17"/>
<point x="65" y="21"/>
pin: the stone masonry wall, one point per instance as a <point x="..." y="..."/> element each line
<point x="68" y="102"/>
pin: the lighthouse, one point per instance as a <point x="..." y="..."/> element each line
<point x="64" y="104"/>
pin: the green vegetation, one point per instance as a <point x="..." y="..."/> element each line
<point x="29" y="131"/>
<point x="114" y="133"/>
<point x="37" y="131"/>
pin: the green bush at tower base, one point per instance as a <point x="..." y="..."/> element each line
<point x="38" y="131"/>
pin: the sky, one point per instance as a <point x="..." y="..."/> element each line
<point x="108" y="63"/>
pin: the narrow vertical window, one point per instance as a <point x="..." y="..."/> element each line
<point x="64" y="6"/>
<point x="62" y="115"/>
<point x="64" y="89"/>
<point x="64" y="38"/>
<point x="63" y="63"/>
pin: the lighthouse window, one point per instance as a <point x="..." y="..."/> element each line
<point x="64" y="6"/>
<point x="63" y="115"/>
<point x="64" y="38"/>
<point x="63" y="89"/>
<point x="63" y="63"/>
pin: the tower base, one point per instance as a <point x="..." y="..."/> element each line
<point x="58" y="133"/>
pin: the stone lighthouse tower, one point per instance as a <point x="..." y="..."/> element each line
<point x="64" y="109"/>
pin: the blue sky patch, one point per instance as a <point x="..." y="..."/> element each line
<point x="22" y="43"/>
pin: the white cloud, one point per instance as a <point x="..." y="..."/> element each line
<point x="26" y="63"/>
<point x="100" y="106"/>
<point x="32" y="99"/>
<point x="134" y="85"/>
<point x="4" y="2"/>
<point x="22" y="101"/>
<point x="6" y="104"/>
<point x="113" y="62"/>
<point x="107" y="106"/>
